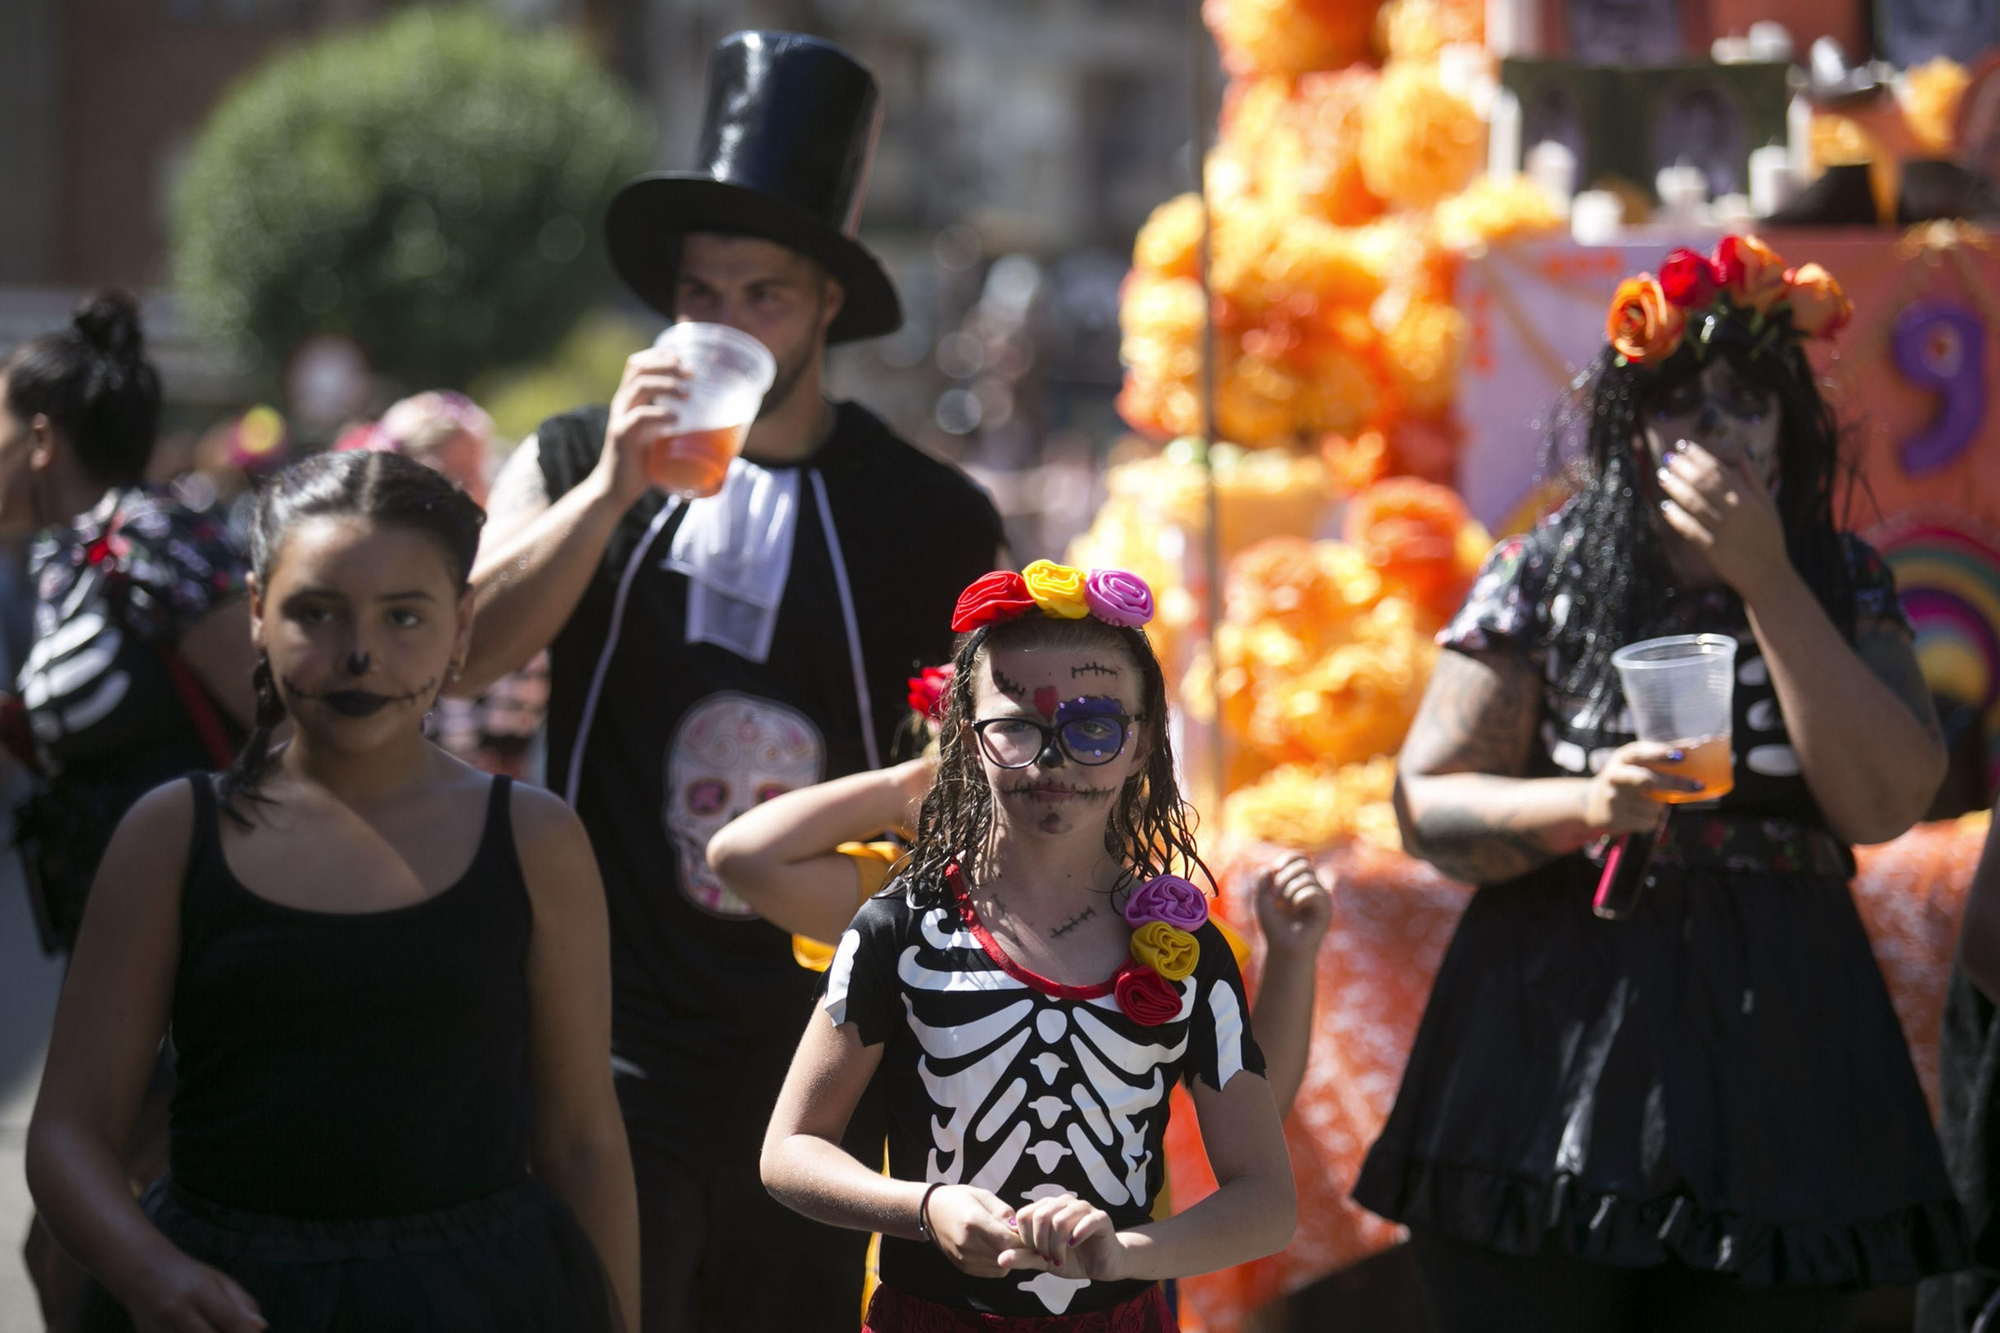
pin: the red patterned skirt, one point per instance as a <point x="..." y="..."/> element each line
<point x="892" y="1311"/>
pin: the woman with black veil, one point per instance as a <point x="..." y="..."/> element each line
<point x="1702" y="1115"/>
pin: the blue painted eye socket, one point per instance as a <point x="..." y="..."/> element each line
<point x="1090" y="737"/>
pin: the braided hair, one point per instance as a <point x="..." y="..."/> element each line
<point x="382" y="487"/>
<point x="1151" y="828"/>
<point x="1620" y="577"/>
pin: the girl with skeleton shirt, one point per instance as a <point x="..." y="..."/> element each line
<point x="1030" y="987"/>
<point x="807" y="860"/>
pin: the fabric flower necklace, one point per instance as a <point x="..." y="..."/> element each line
<point x="1164" y="913"/>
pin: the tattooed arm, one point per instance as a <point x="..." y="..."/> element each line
<point x="1460" y="797"/>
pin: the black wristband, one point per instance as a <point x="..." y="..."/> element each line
<point x="924" y="1214"/>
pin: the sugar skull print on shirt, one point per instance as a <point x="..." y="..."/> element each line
<point x="997" y="1079"/>
<point x="731" y="752"/>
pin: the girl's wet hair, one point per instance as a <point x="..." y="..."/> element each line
<point x="1623" y="579"/>
<point x="383" y="488"/>
<point x="1151" y="829"/>
<point x="94" y="384"/>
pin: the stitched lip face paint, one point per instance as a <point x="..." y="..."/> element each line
<point x="358" y="703"/>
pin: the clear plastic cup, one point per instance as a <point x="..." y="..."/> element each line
<point x="1679" y="691"/>
<point x="728" y="374"/>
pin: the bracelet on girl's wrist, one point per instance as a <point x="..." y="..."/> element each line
<point x="924" y="1231"/>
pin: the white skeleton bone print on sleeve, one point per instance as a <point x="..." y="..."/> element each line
<point x="992" y="1081"/>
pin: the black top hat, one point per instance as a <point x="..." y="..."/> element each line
<point x="785" y="146"/>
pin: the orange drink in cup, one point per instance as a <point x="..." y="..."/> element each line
<point x="693" y="463"/>
<point x="1708" y="762"/>
<point x="1679" y="690"/>
<point x="728" y="373"/>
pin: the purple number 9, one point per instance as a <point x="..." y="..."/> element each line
<point x="1941" y="345"/>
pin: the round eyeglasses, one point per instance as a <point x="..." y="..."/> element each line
<point x="1018" y="742"/>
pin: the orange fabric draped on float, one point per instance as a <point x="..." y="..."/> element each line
<point x="1392" y="918"/>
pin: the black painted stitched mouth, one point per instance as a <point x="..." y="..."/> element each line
<point x="355" y="703"/>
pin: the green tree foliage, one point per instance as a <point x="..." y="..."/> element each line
<point x="432" y="187"/>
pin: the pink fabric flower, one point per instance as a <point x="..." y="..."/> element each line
<point x="1168" y="898"/>
<point x="1118" y="598"/>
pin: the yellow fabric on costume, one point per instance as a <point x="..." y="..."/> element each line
<point x="1238" y="946"/>
<point x="871" y="861"/>
<point x="1163" y="1203"/>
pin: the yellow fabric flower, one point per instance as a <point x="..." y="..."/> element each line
<point x="1057" y="589"/>
<point x="1169" y="951"/>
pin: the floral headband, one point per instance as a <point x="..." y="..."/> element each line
<point x="1745" y="281"/>
<point x="1111" y="595"/>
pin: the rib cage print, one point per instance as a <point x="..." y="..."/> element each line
<point x="1017" y="1092"/>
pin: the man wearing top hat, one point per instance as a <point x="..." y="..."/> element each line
<point x="707" y="655"/>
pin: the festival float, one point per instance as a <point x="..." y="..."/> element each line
<point x="1372" y="324"/>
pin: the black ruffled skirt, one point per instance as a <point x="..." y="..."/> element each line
<point x="515" y="1262"/>
<point x="1718" y="1079"/>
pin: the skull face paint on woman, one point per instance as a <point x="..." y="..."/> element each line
<point x="1723" y="411"/>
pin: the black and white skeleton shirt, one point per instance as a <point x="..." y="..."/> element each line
<point x="1001" y="1079"/>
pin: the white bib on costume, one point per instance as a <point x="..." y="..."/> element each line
<point x="735" y="547"/>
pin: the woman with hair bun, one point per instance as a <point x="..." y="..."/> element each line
<point x="139" y="669"/>
<point x="140" y="666"/>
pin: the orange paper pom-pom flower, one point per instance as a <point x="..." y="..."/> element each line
<point x="1643" y="325"/>
<point x="1408" y="531"/>
<point x="1419" y="140"/>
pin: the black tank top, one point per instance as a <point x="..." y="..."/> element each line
<point x="364" y="1065"/>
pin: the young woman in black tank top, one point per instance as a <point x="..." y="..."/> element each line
<point x="386" y="977"/>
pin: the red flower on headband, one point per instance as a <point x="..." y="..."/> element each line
<point x="930" y="691"/>
<point x="1001" y="595"/>
<point x="1147" y="998"/>
<point x="1689" y="280"/>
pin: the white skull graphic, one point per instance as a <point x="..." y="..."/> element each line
<point x="730" y="752"/>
